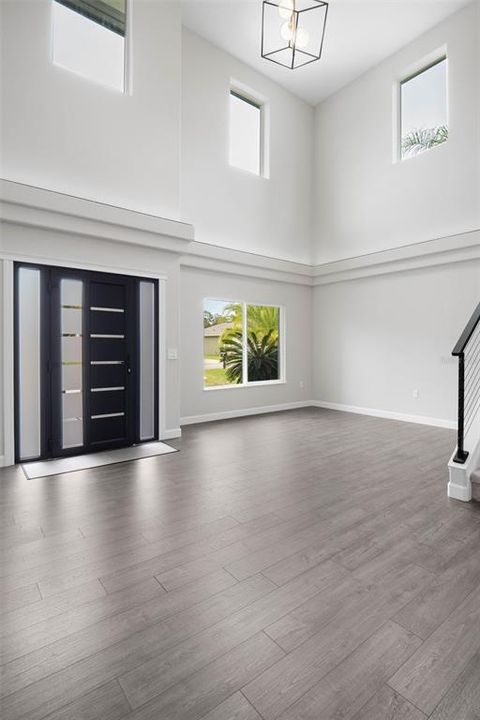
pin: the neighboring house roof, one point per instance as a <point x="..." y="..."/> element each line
<point x="217" y="330"/>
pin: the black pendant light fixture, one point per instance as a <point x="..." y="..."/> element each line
<point x="293" y="31"/>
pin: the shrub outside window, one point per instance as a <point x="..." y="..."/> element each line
<point x="424" y="110"/>
<point x="241" y="343"/>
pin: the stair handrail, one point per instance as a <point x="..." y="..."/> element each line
<point x="459" y="351"/>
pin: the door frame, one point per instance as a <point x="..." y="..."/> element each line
<point x="9" y="338"/>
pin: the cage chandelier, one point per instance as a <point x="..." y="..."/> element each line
<point x="293" y="31"/>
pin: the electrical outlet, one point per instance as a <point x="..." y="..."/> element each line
<point x="172" y="354"/>
<point x="301" y="384"/>
<point x="415" y="394"/>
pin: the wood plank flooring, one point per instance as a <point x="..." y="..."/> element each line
<point x="304" y="565"/>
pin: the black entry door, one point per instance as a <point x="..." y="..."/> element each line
<point x="86" y="361"/>
<point x="94" y="361"/>
<point x="111" y="362"/>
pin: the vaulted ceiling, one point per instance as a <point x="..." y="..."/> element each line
<point x="359" y="34"/>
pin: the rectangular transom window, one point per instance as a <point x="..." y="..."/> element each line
<point x="89" y="39"/>
<point x="424" y="109"/>
<point x="241" y="343"/>
<point x="245" y="133"/>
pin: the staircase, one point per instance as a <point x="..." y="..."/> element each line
<point x="464" y="466"/>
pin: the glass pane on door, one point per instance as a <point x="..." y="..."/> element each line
<point x="147" y="359"/>
<point x="29" y="362"/>
<point x="71" y="301"/>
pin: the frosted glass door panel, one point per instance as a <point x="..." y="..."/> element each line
<point x="29" y="349"/>
<point x="147" y="360"/>
<point x="71" y="299"/>
<point x="71" y="377"/>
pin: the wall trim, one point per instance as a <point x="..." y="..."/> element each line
<point x="230" y="414"/>
<point x="440" y="251"/>
<point x="171" y="434"/>
<point x="202" y="256"/>
<point x="36" y="207"/>
<point x="386" y="414"/>
<point x="461" y="247"/>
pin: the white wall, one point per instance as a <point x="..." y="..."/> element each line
<point x="296" y="299"/>
<point x="377" y="339"/>
<point x="62" y="132"/>
<point x="227" y="206"/>
<point x="364" y="201"/>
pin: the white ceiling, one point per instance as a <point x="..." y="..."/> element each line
<point x="359" y="34"/>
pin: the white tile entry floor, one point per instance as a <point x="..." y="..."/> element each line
<point x="44" y="468"/>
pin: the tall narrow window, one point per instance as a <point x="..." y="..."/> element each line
<point x="245" y="133"/>
<point x="147" y="337"/>
<point x="89" y="39"/>
<point x="29" y="363"/>
<point x="241" y="343"/>
<point x="71" y="307"/>
<point x="424" y="110"/>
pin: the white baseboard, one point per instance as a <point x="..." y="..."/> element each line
<point x="229" y="414"/>
<point x="388" y="414"/>
<point x="171" y="434"/>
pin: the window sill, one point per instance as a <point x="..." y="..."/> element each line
<point x="261" y="383"/>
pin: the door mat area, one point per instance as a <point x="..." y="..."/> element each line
<point x="44" y="468"/>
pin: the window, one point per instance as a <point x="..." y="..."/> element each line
<point x="245" y="133"/>
<point x="423" y="110"/>
<point x="241" y="343"/>
<point x="89" y="39"/>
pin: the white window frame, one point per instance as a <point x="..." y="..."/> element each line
<point x="409" y="73"/>
<point x="281" y="347"/>
<point x="127" y="53"/>
<point x="250" y="96"/>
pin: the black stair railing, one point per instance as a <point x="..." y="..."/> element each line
<point x="467" y="350"/>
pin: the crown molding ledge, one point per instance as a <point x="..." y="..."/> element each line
<point x="202" y="256"/>
<point x="440" y="251"/>
<point x="36" y="207"/>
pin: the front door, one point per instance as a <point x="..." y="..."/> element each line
<point x="94" y="371"/>
<point x="97" y="363"/>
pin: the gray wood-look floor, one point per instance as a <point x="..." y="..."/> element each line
<point x="300" y="565"/>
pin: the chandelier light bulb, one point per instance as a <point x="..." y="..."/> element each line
<point x="286" y="31"/>
<point x="302" y="38"/>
